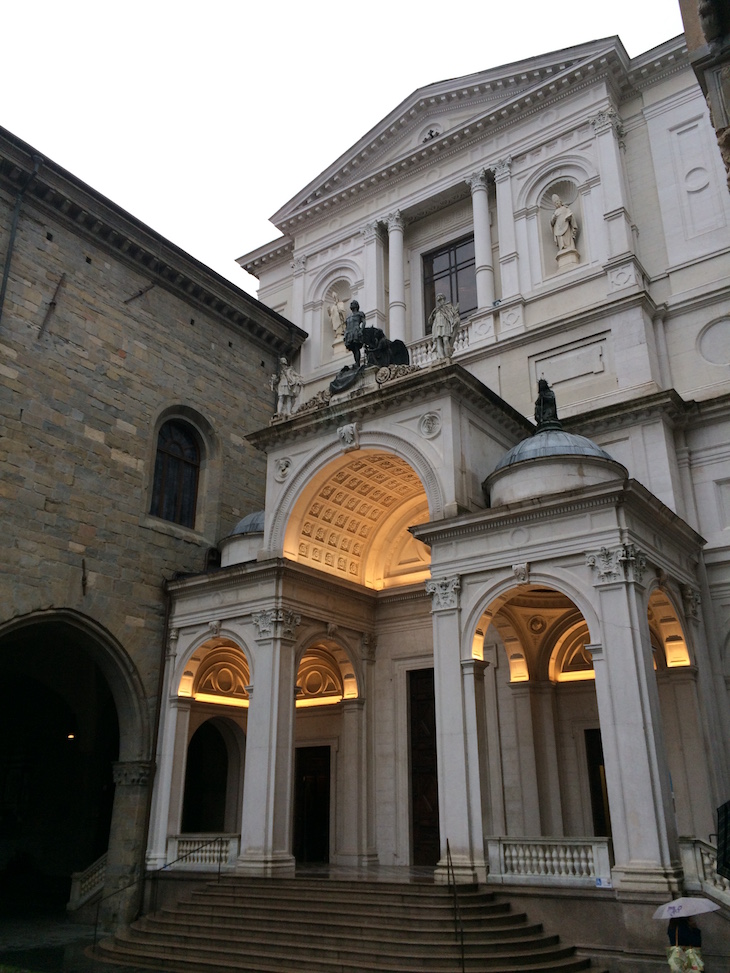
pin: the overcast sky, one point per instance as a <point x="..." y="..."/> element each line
<point x="203" y="119"/>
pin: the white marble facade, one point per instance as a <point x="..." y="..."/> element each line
<point x="577" y="596"/>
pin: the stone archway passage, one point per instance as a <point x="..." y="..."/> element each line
<point x="60" y="734"/>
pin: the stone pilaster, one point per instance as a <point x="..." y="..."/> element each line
<point x="373" y="301"/>
<point x="484" y="268"/>
<point x="637" y="776"/>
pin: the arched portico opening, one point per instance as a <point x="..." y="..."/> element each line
<point x="72" y="716"/>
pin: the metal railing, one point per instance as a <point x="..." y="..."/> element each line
<point x="220" y="841"/>
<point x="458" y="921"/>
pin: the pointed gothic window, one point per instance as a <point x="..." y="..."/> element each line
<point x="177" y="466"/>
<point x="451" y="271"/>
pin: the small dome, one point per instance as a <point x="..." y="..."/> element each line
<point x="251" y="524"/>
<point x="551" y="442"/>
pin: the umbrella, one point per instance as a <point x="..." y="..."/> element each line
<point x="686" y="906"/>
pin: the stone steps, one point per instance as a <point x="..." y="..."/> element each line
<point x="277" y="926"/>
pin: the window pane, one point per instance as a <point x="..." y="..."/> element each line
<point x="177" y="465"/>
<point x="450" y="271"/>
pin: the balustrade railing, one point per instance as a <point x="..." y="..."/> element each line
<point x="202" y="852"/>
<point x="550" y="861"/>
<point x="699" y="862"/>
<point x="85" y="885"/>
<point x="422" y="351"/>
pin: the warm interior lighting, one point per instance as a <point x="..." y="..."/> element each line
<point x="220" y="700"/>
<point x="70" y="736"/>
<point x="577" y="675"/>
<point x="318" y="701"/>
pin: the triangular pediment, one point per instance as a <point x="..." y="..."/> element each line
<point x="458" y="109"/>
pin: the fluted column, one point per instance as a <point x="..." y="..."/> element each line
<point x="643" y="826"/>
<point x="266" y="838"/>
<point x="396" y="278"/>
<point x="506" y="223"/>
<point x="373" y="300"/>
<point x="484" y="267"/>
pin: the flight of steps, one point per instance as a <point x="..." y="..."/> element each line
<point x="327" y="926"/>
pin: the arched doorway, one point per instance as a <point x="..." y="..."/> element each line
<point x="62" y="733"/>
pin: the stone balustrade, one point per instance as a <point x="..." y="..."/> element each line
<point x="699" y="862"/>
<point x="550" y="861"/>
<point x="422" y="352"/>
<point x="84" y="885"/>
<point x="202" y="852"/>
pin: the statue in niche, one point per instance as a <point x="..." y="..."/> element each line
<point x="287" y="384"/>
<point x="564" y="225"/>
<point x="546" y="410"/>
<point x="336" y="314"/>
<point x="444" y="322"/>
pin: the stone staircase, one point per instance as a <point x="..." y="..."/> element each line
<point x="332" y="926"/>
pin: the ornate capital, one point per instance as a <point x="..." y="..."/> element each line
<point x="132" y="772"/>
<point x="444" y="592"/>
<point x="622" y="563"/>
<point x="691" y="601"/>
<point x="371" y="231"/>
<point x="477" y="180"/>
<point x="502" y="168"/>
<point x="299" y="263"/>
<point x="394" y="221"/>
<point x="349" y="436"/>
<point x="276" y="621"/>
<point x="609" y="118"/>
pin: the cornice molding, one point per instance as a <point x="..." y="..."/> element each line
<point x="58" y="194"/>
<point x="417" y="386"/>
<point x="607" y="60"/>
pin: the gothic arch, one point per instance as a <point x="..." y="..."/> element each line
<point x="115" y="664"/>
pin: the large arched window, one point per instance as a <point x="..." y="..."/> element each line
<point x="177" y="467"/>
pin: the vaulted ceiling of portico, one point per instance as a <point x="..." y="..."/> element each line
<point x="352" y="520"/>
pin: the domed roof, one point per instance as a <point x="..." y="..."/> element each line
<point x="251" y="524"/>
<point x="548" y="442"/>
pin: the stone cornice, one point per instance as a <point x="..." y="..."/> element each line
<point x="667" y="405"/>
<point x="649" y="509"/>
<point x="421" y="385"/>
<point x="56" y="193"/>
<point x="277" y="252"/>
<point x="337" y="185"/>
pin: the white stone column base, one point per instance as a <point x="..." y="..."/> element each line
<point x="647" y="877"/>
<point x="465" y="872"/>
<point x="277" y="866"/>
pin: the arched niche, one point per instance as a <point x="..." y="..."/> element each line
<point x="217" y="671"/>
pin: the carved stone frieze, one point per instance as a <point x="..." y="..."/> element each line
<point x="389" y="372"/>
<point x="132" y="773"/>
<point x="444" y="592"/>
<point x="318" y="401"/>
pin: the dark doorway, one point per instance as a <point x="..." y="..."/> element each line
<point x="424" y="775"/>
<point x="60" y="734"/>
<point x="204" y="803"/>
<point x="312" y="805"/>
<point x="597" y="784"/>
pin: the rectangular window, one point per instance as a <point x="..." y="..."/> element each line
<point x="450" y="271"/>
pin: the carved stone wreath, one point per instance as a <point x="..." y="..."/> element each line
<point x="388" y="372"/>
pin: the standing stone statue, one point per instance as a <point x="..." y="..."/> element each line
<point x="546" y="409"/>
<point x="444" y="322"/>
<point x="564" y="225"/>
<point x="287" y="384"/>
<point x="354" y="328"/>
<point x="336" y="313"/>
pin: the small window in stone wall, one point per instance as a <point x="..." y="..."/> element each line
<point x="177" y="468"/>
